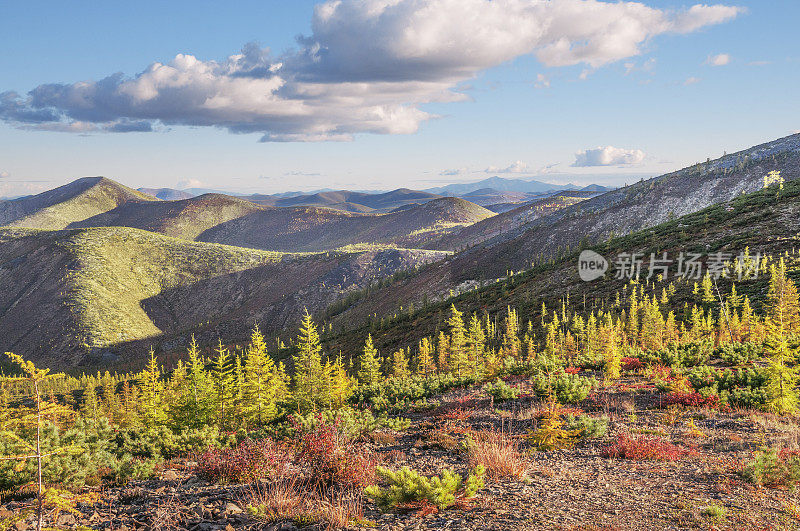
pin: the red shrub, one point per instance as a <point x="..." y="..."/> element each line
<point x="646" y="449"/>
<point x="631" y="364"/>
<point x="331" y="460"/>
<point x="572" y="370"/>
<point x="249" y="461"/>
<point x="694" y="399"/>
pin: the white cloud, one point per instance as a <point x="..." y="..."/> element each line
<point x="515" y="167"/>
<point x="453" y="171"/>
<point x="542" y="81"/>
<point x="608" y="156"/>
<point x="647" y="66"/>
<point x="4" y="174"/>
<point x="691" y="81"/>
<point x="189" y="183"/>
<point x="366" y="67"/>
<point x="721" y="59"/>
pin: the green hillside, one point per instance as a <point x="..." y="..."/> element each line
<point x="76" y="201"/>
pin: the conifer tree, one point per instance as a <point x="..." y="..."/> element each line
<point x="223" y="379"/>
<point x="511" y="342"/>
<point x="400" y="364"/>
<point x="37" y="379"/>
<point x="90" y="406"/>
<point x="458" y="354"/>
<point x="613" y="358"/>
<point x="442" y="351"/>
<point x="309" y="374"/>
<point x="424" y="365"/>
<point x="783" y="315"/>
<point x="341" y="386"/>
<point x="476" y="343"/>
<point x="196" y="396"/>
<point x="707" y="287"/>
<point x="369" y="370"/>
<point x="151" y="393"/>
<point x="258" y="393"/>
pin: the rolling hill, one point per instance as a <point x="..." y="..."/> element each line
<point x="314" y="229"/>
<point x="76" y="201"/>
<point x="185" y="218"/>
<point x="234" y="221"/>
<point x="88" y="296"/>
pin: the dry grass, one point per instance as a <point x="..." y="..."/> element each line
<point x="287" y="499"/>
<point x="338" y="510"/>
<point x="294" y="499"/>
<point x="499" y="453"/>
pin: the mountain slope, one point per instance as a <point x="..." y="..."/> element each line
<point x="348" y="201"/>
<point x="615" y="213"/>
<point x="70" y="294"/>
<point x="76" y="201"/>
<point x="761" y="221"/>
<point x="187" y="218"/>
<point x="510" y="220"/>
<point x="313" y="229"/>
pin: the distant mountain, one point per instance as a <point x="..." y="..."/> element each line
<point x="93" y="203"/>
<point x="500" y="184"/>
<point x="167" y="194"/>
<point x="76" y="201"/>
<point x="347" y="200"/>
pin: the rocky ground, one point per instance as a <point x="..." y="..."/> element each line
<point x="574" y="489"/>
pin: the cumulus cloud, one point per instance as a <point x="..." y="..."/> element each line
<point x="721" y="59"/>
<point x="189" y="183"/>
<point x="453" y="171"/>
<point x="366" y="67"/>
<point x="608" y="156"/>
<point x="515" y="167"/>
<point x="691" y="81"/>
<point x="4" y="174"/>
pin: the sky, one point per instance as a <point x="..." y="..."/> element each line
<point x="275" y="95"/>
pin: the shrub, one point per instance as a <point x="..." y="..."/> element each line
<point x="714" y="511"/>
<point x="400" y="393"/>
<point x="498" y="453"/>
<point x="745" y="397"/>
<point x="686" y="355"/>
<point x="331" y="459"/>
<point x="631" y="364"/>
<point x="690" y="400"/>
<point x="774" y="468"/>
<point x="586" y="427"/>
<point x="501" y="391"/>
<point x="568" y="388"/>
<point x="645" y="448"/>
<point x="409" y="486"/>
<point x="738" y="353"/>
<point x="248" y="461"/>
<point x="352" y="423"/>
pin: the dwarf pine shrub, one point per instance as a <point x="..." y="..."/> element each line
<point x="408" y="486"/>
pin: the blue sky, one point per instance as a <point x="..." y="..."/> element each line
<point x="380" y="94"/>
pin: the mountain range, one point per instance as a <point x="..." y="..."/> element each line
<point x="94" y="272"/>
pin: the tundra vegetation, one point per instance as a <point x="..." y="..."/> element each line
<point x="670" y="378"/>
